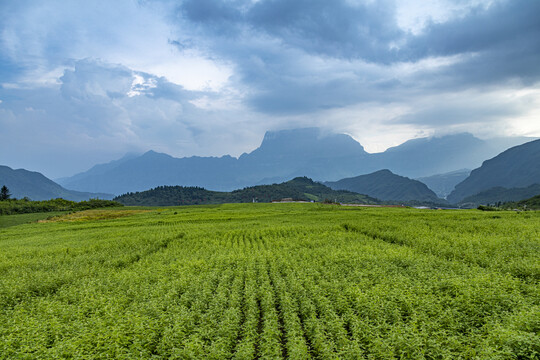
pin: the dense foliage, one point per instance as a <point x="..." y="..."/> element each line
<point x="300" y="188"/>
<point x="273" y="281"/>
<point x="25" y="206"/>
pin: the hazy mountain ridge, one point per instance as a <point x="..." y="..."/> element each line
<point x="517" y="167"/>
<point x="385" y="185"/>
<point x="35" y="186"/>
<point x="284" y="155"/>
<point x="98" y="169"/>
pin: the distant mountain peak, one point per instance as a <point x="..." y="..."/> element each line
<point x="383" y="171"/>
<point x="155" y="153"/>
<point x="308" y="141"/>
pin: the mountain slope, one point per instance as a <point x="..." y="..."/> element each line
<point x="443" y="184"/>
<point x="385" y="185"/>
<point x="23" y="183"/>
<point x="300" y="188"/>
<point x="500" y="194"/>
<point x="516" y="167"/>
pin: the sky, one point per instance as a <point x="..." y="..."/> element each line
<point x="85" y="82"/>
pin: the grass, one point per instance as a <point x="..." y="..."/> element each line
<point x="95" y="214"/>
<point x="273" y="281"/>
<point x="18" y="219"/>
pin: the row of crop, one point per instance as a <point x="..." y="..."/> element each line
<point x="503" y="242"/>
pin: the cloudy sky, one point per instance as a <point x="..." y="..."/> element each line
<point x="84" y="82"/>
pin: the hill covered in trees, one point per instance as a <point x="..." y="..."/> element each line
<point x="300" y="188"/>
<point x="385" y="185"/>
<point x="529" y="204"/>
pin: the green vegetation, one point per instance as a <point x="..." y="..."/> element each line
<point x="300" y="188"/>
<point x="17" y="219"/>
<point x="246" y="281"/>
<point x="527" y="204"/>
<point x="25" y="206"/>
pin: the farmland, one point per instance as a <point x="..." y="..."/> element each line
<point x="246" y="281"/>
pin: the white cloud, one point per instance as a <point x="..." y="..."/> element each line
<point x="45" y="38"/>
<point x="414" y="15"/>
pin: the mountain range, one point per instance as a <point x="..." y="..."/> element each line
<point x="35" y="186"/>
<point x="287" y="154"/>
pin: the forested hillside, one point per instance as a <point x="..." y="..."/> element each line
<point x="385" y="185"/>
<point x="300" y="188"/>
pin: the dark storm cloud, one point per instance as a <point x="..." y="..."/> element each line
<point x="274" y="44"/>
<point x="277" y="47"/>
<point x="510" y="24"/>
<point x="329" y="28"/>
<point x="221" y="17"/>
<point x="499" y="43"/>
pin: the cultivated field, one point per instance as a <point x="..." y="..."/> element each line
<point x="272" y="281"/>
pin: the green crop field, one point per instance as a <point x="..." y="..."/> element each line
<point x="272" y="281"/>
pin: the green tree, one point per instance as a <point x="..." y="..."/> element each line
<point x="4" y="193"/>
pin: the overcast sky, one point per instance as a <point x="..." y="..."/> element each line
<point x="84" y="82"/>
